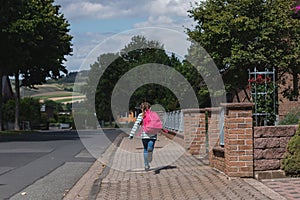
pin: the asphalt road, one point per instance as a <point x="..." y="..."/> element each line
<point x="47" y="164"/>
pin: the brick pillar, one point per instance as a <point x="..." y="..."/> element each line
<point x="197" y="134"/>
<point x="192" y="129"/>
<point x="213" y="126"/>
<point x="201" y="135"/>
<point x="188" y="117"/>
<point x="213" y="129"/>
<point x="238" y="130"/>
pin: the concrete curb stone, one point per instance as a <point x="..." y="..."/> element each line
<point x="83" y="188"/>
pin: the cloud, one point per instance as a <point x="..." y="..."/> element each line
<point x="91" y="45"/>
<point x="78" y="9"/>
<point x="173" y="41"/>
<point x="108" y="14"/>
<point x="169" y="7"/>
<point x="82" y="46"/>
<point x="154" y="21"/>
<point x="165" y="22"/>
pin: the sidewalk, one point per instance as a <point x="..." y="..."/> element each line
<point x="174" y="174"/>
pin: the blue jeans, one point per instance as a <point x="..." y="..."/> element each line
<point x="148" y="150"/>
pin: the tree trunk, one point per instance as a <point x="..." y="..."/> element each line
<point x="247" y="95"/>
<point x="1" y="101"/>
<point x="237" y="95"/>
<point x="295" y="86"/>
<point x="110" y="120"/>
<point x="17" y="109"/>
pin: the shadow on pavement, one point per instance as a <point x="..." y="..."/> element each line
<point x="158" y="169"/>
<point x="41" y="136"/>
<point x="111" y="134"/>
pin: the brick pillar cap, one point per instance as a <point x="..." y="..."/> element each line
<point x="213" y="109"/>
<point x="237" y="106"/>
<point x="193" y="110"/>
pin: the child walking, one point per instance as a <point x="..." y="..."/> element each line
<point x="148" y="140"/>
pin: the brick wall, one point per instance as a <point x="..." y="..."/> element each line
<point x="236" y="157"/>
<point x="198" y="144"/>
<point x="246" y="149"/>
<point x="192" y="141"/>
<point x="286" y="106"/>
<point x="270" y="144"/>
<point x="216" y="152"/>
<point x="193" y="137"/>
<point x="198" y="140"/>
<point x="213" y="127"/>
<point x="238" y="147"/>
<point x="217" y="158"/>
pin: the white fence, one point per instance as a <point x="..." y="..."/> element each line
<point x="173" y="121"/>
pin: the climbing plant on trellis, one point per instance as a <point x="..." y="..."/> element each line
<point x="263" y="94"/>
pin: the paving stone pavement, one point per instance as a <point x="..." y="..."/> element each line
<point x="174" y="174"/>
<point x="287" y="187"/>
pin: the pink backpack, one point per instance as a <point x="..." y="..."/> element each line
<point x="151" y="122"/>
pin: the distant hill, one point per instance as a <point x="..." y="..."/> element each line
<point x="81" y="76"/>
<point x="62" y="90"/>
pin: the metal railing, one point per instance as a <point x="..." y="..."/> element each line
<point x="221" y="124"/>
<point x="173" y="121"/>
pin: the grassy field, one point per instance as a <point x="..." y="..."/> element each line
<point x="55" y="92"/>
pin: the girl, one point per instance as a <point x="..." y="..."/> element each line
<point x="147" y="139"/>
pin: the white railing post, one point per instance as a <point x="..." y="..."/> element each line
<point x="173" y="121"/>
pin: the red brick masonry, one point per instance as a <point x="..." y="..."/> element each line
<point x="246" y="149"/>
<point x="238" y="131"/>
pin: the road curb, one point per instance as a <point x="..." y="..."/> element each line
<point x="110" y="155"/>
<point x="89" y="184"/>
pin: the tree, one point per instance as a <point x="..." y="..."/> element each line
<point x="292" y="59"/>
<point x="241" y="35"/>
<point x="36" y="42"/>
<point x="111" y="67"/>
<point x="10" y="11"/>
<point x="116" y="68"/>
<point x="141" y="51"/>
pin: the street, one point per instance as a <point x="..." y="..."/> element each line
<point x="45" y="165"/>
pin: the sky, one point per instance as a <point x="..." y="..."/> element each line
<point x="95" y="22"/>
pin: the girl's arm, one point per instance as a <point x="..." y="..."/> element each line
<point x="136" y="125"/>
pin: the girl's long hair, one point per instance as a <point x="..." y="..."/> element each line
<point x="145" y="106"/>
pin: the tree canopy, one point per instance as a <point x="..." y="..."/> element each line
<point x="240" y="35"/>
<point x="112" y="66"/>
<point x="34" y="39"/>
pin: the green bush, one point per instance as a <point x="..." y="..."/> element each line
<point x="291" y="162"/>
<point x="29" y="110"/>
<point x="52" y="120"/>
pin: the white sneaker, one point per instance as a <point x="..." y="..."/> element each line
<point x="147" y="167"/>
